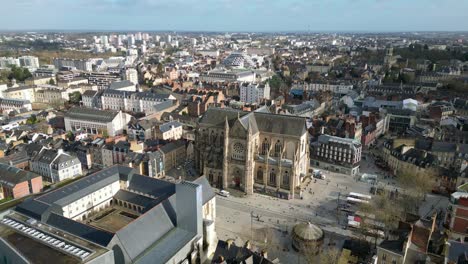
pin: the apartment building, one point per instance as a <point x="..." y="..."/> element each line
<point x="253" y="93"/>
<point x="95" y="121"/>
<point x="336" y="154"/>
<point x="143" y="102"/>
<point x="55" y="165"/>
<point x="16" y="183"/>
<point x="7" y="105"/>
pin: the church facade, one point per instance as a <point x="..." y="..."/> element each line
<point x="252" y="151"/>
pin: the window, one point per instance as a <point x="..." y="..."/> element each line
<point x="286" y="178"/>
<point x="272" y="177"/>
<point x="384" y="256"/>
<point x="238" y="151"/>
<point x="265" y="146"/>
<point x="278" y="148"/>
<point x="260" y="175"/>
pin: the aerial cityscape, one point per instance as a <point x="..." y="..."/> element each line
<point x="234" y="132"/>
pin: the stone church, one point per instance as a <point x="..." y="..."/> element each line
<point x="252" y="151"/>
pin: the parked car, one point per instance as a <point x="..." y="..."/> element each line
<point x="224" y="193"/>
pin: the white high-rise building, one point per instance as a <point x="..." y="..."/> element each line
<point x="104" y="40"/>
<point x="169" y="39"/>
<point x="29" y="62"/>
<point x="131" y="75"/>
<point x="194" y="41"/>
<point x="6" y="62"/>
<point x="131" y="40"/>
<point x="138" y="36"/>
<point x="252" y="93"/>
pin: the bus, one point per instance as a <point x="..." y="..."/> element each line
<point x="360" y="196"/>
<point x="351" y="200"/>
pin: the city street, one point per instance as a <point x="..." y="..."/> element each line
<point x="259" y="217"/>
<point x="268" y="221"/>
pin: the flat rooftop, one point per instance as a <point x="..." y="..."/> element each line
<point x="29" y="248"/>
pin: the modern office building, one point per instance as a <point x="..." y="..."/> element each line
<point x="82" y="65"/>
<point x="131" y="75"/>
<point x="30" y="62"/>
<point x="6" y="62"/>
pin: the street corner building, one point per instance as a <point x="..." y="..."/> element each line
<point x="112" y="216"/>
<point x="252" y="151"/>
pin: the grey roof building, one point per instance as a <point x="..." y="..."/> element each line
<point x="96" y="121"/>
<point x="141" y="220"/>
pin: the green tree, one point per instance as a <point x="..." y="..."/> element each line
<point x="75" y="98"/>
<point x="51" y="81"/>
<point x="32" y="120"/>
<point x="19" y="73"/>
<point x="70" y="136"/>
<point x="105" y="134"/>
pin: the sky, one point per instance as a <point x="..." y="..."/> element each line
<point x="235" y="15"/>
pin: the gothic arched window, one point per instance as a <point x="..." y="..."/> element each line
<point x="278" y="148"/>
<point x="272" y="180"/>
<point x="285" y="178"/>
<point x="265" y="146"/>
<point x="260" y="174"/>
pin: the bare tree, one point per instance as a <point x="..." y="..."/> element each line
<point x="418" y="184"/>
<point x="329" y="256"/>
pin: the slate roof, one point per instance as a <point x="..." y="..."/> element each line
<point x="168" y="126"/>
<point x="10" y="176"/>
<point x="87" y="114"/>
<point x="265" y="122"/>
<point x="444" y="147"/>
<point x="233" y="254"/>
<point x="134" y="236"/>
<point x="167" y="247"/>
<point x="217" y="116"/>
<point x="82" y="187"/>
<point x="121" y="84"/>
<point x="171" y="146"/>
<point x="90" y="93"/>
<point x="151" y="186"/>
<point x="395" y="246"/>
<point x="90" y="233"/>
<point x="133" y="198"/>
<point x="207" y="191"/>
<point x="46" y="156"/>
<point x="32" y="208"/>
<point x="458" y="251"/>
<point x="280" y="124"/>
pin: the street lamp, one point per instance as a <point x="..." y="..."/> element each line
<point x="251" y="226"/>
